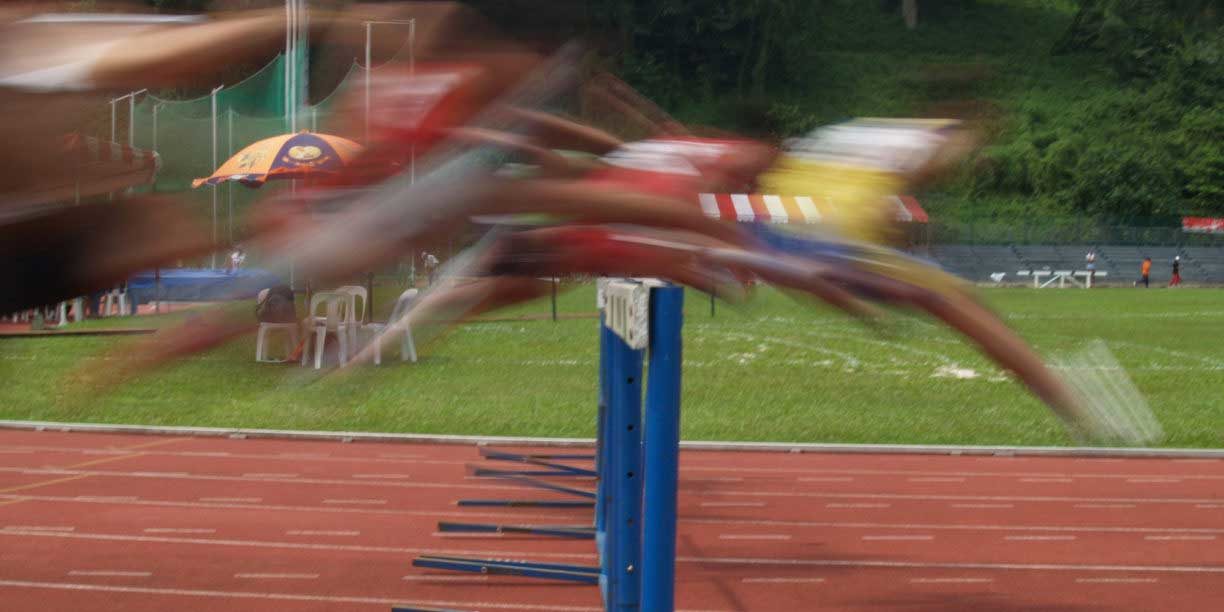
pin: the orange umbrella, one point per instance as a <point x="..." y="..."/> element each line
<point x="288" y="156"/>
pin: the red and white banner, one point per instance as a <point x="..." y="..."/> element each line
<point x="1203" y="225"/>
<point x="749" y="207"/>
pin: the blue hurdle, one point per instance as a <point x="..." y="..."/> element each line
<point x="636" y="459"/>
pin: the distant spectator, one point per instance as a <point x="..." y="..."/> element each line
<point x="1145" y="272"/>
<point x="236" y="259"/>
<point x="1176" y="280"/>
<point x="1090" y="264"/>
<point x="431" y="265"/>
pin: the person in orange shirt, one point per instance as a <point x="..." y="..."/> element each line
<point x="1144" y="272"/>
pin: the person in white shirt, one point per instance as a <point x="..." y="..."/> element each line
<point x="1090" y="264"/>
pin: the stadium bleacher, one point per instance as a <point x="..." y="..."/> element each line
<point x="976" y="263"/>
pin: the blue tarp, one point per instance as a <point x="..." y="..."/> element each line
<point x="200" y="285"/>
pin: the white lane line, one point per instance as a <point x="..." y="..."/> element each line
<point x="950" y="580"/>
<point x="382" y="601"/>
<point x="38" y="528"/>
<point x="460" y="535"/>
<point x="15" y="451"/>
<point x="754" y="536"/>
<point x="437" y="578"/>
<point x="739" y="561"/>
<point x="161" y="474"/>
<point x="392" y="476"/>
<point x="1116" y="580"/>
<point x="982" y="505"/>
<point x="279" y="576"/>
<point x="367" y="502"/>
<point x="304" y="455"/>
<point x="108" y="498"/>
<point x="923" y="538"/>
<point x="864" y="505"/>
<point x="116" y="573"/>
<point x="732" y="504"/>
<point x="1153" y="480"/>
<point x="178" y="530"/>
<point x="781" y="580"/>
<point x="1180" y="537"/>
<point x="322" y="532"/>
<point x="714" y="479"/>
<point x="1211" y="506"/>
<point x="1043" y="480"/>
<point x="826" y="479"/>
<point x="935" y="479"/>
<point x="1099" y="506"/>
<point x="269" y="475"/>
<point x="232" y="500"/>
<point x="1038" y="538"/>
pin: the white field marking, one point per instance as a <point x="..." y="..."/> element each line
<point x="322" y="532"/>
<point x="393" y="476"/>
<point x="116" y="573"/>
<point x="1153" y="480"/>
<point x="334" y="599"/>
<point x="826" y="479"/>
<point x="459" y="535"/>
<point x="269" y="475"/>
<point x="1038" y="538"/>
<point x="368" y="502"/>
<point x="424" y="514"/>
<point x="15" y="451"/>
<point x="949" y="526"/>
<point x="950" y="580"/>
<point x="178" y="530"/>
<point x="982" y="505"/>
<point x="38" y="528"/>
<point x="754" y="536"/>
<point x="237" y="500"/>
<point x="1211" y="506"/>
<point x="714" y="479"/>
<point x="1116" y="580"/>
<point x="882" y="564"/>
<point x="952" y="497"/>
<point x="837" y="505"/>
<point x="437" y="578"/>
<point x="1208" y="361"/>
<point x="108" y="498"/>
<point x="1046" y="480"/>
<point x="1101" y="506"/>
<point x="268" y="478"/>
<point x="732" y="504"/>
<point x="872" y="538"/>
<point x="1179" y="537"/>
<point x="205" y="453"/>
<point x="935" y="479"/>
<point x="161" y="474"/>
<point x="782" y="580"/>
<point x="962" y="473"/>
<point x="279" y="576"/>
<point x="895" y="346"/>
<point x="849" y="359"/>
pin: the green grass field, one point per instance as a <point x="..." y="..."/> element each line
<point x="774" y="369"/>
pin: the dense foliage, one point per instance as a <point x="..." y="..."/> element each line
<point x="1109" y="109"/>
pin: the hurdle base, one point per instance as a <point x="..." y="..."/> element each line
<point x="507" y="567"/>
<point x="577" y="532"/>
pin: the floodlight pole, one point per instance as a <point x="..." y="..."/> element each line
<point x="213" y="100"/>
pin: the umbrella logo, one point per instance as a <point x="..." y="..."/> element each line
<point x="305" y="153"/>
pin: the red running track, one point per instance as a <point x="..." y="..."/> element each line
<point x="149" y="523"/>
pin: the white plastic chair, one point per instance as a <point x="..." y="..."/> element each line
<point x="407" y="345"/>
<point x="353" y="323"/>
<point x="115" y="297"/>
<point x="290" y="330"/>
<point x="333" y="322"/>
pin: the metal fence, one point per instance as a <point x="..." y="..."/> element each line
<point x="1047" y="231"/>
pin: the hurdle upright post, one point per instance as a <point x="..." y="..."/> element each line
<point x="662" y="449"/>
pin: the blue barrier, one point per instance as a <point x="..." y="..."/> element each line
<point x="636" y="461"/>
